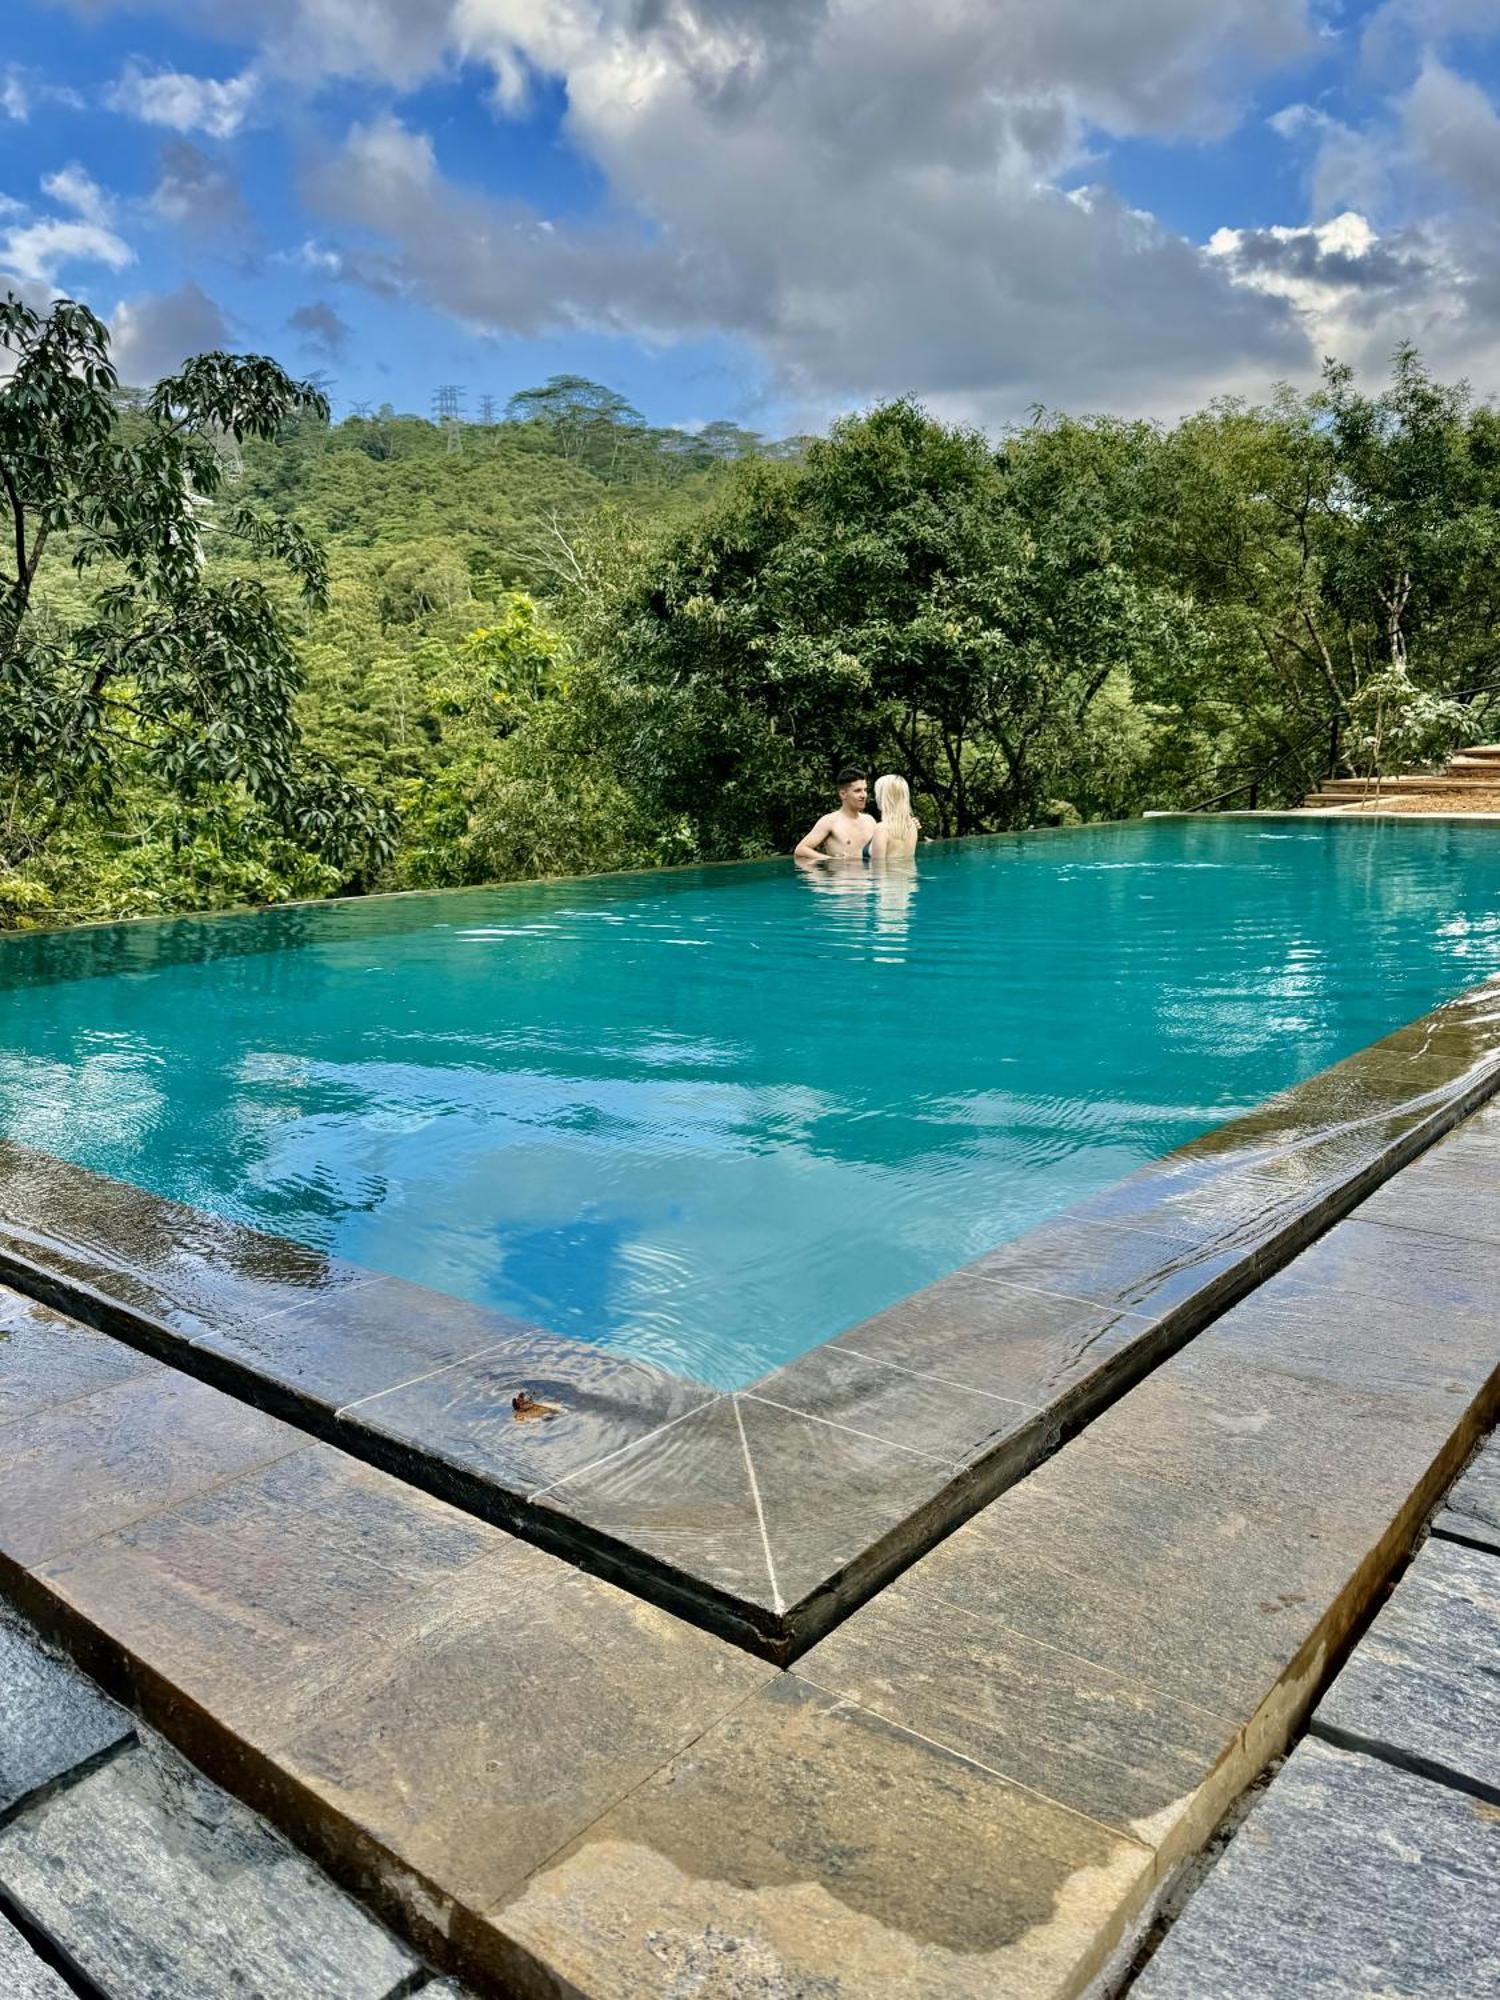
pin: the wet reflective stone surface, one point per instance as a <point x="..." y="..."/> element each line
<point x="47" y="1358"/>
<point x="804" y="1846"/>
<point x="50" y="1718"/>
<point x="74" y="1472"/>
<point x="594" y="1401"/>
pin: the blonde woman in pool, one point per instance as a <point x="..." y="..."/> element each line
<point x="895" y="838"/>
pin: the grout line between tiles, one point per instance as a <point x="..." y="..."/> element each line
<point x="890" y="1444"/>
<point x="593" y="1465"/>
<point x="915" y="1374"/>
<point x="411" y="1381"/>
<point x="778" y="1603"/>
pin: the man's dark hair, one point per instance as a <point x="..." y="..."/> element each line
<point x="850" y="775"/>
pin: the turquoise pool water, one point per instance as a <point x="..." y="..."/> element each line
<point x="716" y="1116"/>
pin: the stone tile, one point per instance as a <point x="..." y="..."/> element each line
<point x="1421" y="1685"/>
<point x="1103" y="1743"/>
<point x="898" y="1404"/>
<point x="1472" y="1508"/>
<point x="154" y="1882"/>
<point x="805" y="1847"/>
<point x="1443" y="1194"/>
<point x="762" y="1504"/>
<point x="85" y="1468"/>
<point x="1413" y="1267"/>
<point x="50" y="1718"/>
<point x="1013" y="1341"/>
<point x="341" y="1348"/>
<point x="473" y="1732"/>
<point x="683" y="1498"/>
<point x="184" y="1269"/>
<point x="23" y="1976"/>
<point x="232" y="1593"/>
<point x="46" y="1358"/>
<point x="1320" y="1331"/>
<point x="1349" y="1879"/>
<point x="1131" y="1270"/>
<point x="463" y="1415"/>
<point x="1201" y="1533"/>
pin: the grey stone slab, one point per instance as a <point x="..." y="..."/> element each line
<point x="1017" y="1342"/>
<point x="478" y="1727"/>
<point x="1106" y="1744"/>
<point x="83" y="1469"/>
<point x="1464" y="1528"/>
<point x="1414" y="1267"/>
<point x="763" y="1504"/>
<point x="1201" y="1534"/>
<point x="901" y="1405"/>
<point x="51" y="1719"/>
<point x="1348" y="1880"/>
<point x="804" y="1849"/>
<point x="1131" y="1270"/>
<point x="1444" y="1193"/>
<point x="235" y="1590"/>
<point x="47" y="1358"/>
<point x="1421" y="1686"/>
<point x="158" y="1886"/>
<point x="1474" y="1499"/>
<point x="597" y="1402"/>
<point x="23" y="1976"/>
<point x="1317" y="1329"/>
<point x="348" y="1345"/>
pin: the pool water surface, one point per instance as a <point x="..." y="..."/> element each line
<point x="714" y="1116"/>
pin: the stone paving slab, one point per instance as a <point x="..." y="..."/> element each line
<point x="51" y="1719"/>
<point x="23" y="1976"/>
<point x="1349" y="1880"/>
<point x="805" y="1847"/>
<point x="1423" y="1685"/>
<point x="160" y="1887"/>
<point x="1472" y="1511"/>
<point x="47" y="1358"/>
<point x="1144" y="1596"/>
<point x="73" y="1472"/>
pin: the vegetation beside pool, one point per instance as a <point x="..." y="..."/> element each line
<point x="577" y="642"/>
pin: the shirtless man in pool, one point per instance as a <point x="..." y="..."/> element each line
<point x="843" y="834"/>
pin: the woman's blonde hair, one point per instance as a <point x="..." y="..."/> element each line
<point x="894" y="800"/>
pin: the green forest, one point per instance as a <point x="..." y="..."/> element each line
<point x="249" y="654"/>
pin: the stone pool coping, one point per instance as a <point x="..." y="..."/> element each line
<point x="768" y="1514"/>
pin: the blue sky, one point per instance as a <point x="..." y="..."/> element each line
<point x="766" y="209"/>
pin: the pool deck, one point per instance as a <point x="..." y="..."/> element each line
<point x="981" y="1780"/>
<point x="769" y="1515"/>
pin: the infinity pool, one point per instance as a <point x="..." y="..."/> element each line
<point x="715" y="1116"/>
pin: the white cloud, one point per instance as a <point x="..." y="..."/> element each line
<point x="868" y="193"/>
<point x="37" y="252"/>
<point x="154" y="333"/>
<point x="15" y="99"/>
<point x="71" y="187"/>
<point x="184" y="103"/>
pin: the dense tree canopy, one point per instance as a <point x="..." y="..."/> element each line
<point x="247" y="654"/>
